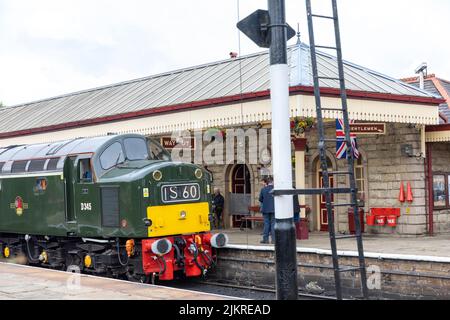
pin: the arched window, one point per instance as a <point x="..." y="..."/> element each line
<point x="241" y="182"/>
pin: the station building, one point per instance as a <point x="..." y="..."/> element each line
<point x="399" y="129"/>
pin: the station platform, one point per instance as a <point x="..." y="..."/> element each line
<point x="432" y="247"/>
<point x="19" y="282"/>
<point x="399" y="267"/>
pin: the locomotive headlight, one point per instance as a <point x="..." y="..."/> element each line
<point x="198" y="173"/>
<point x="219" y="240"/>
<point x="157" y="175"/>
<point x="161" y="247"/>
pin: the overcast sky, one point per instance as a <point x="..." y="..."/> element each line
<point x="52" y="47"/>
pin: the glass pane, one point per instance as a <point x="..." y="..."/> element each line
<point x="157" y="152"/>
<point x="112" y="156"/>
<point x="439" y="191"/>
<point x="136" y="149"/>
<point x="359" y="184"/>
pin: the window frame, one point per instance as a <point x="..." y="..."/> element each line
<point x="446" y="176"/>
<point x="80" y="178"/>
<point x="361" y="165"/>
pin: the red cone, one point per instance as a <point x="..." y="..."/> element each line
<point x="409" y="194"/>
<point x="401" y="196"/>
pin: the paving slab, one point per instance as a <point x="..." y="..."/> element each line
<point x="31" y="283"/>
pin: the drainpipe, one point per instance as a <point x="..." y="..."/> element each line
<point x="429" y="170"/>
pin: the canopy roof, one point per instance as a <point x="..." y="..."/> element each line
<point x="204" y="83"/>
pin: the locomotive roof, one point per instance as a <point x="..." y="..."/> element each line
<point x="58" y="149"/>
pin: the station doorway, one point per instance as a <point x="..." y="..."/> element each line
<point x="240" y="190"/>
<point x="322" y="216"/>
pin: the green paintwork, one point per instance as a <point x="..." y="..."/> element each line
<point x="57" y="211"/>
<point x="45" y="209"/>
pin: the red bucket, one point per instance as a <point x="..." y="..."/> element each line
<point x="370" y="220"/>
<point x="380" y="220"/>
<point x="392" y="221"/>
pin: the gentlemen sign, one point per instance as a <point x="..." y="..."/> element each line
<point x="183" y="143"/>
<point x="368" y="128"/>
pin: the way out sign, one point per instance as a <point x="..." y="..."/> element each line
<point x="256" y="26"/>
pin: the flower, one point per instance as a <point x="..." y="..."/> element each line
<point x="301" y="125"/>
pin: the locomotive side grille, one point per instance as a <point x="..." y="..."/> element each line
<point x="19" y="166"/>
<point x="37" y="165"/>
<point x="52" y="164"/>
<point x="110" y="207"/>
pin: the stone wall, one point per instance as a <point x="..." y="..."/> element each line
<point x="385" y="169"/>
<point x="393" y="278"/>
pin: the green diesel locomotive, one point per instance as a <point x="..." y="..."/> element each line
<point x="114" y="205"/>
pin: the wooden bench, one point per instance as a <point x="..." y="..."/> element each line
<point x="252" y="211"/>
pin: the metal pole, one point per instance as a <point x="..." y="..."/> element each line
<point x="285" y="240"/>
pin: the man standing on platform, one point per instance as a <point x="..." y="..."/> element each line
<point x="218" y="204"/>
<point x="268" y="210"/>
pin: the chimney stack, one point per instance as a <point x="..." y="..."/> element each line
<point x="422" y="72"/>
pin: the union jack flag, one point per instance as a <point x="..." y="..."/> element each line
<point x="341" y="145"/>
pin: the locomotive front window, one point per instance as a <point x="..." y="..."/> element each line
<point x="112" y="156"/>
<point x="136" y="149"/>
<point x="157" y="152"/>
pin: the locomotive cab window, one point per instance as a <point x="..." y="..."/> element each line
<point x="85" y="170"/>
<point x="157" y="152"/>
<point x="112" y="156"/>
<point x="136" y="149"/>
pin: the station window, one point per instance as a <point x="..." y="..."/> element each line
<point x="360" y="178"/>
<point x="441" y="190"/>
<point x="85" y="170"/>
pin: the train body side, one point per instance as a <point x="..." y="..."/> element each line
<point x="58" y="204"/>
<point x="33" y="204"/>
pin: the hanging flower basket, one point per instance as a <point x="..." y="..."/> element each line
<point x="301" y="125"/>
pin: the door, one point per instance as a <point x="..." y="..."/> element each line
<point x="86" y="199"/>
<point x="69" y="183"/>
<point x="240" y="197"/>
<point x="323" y="215"/>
